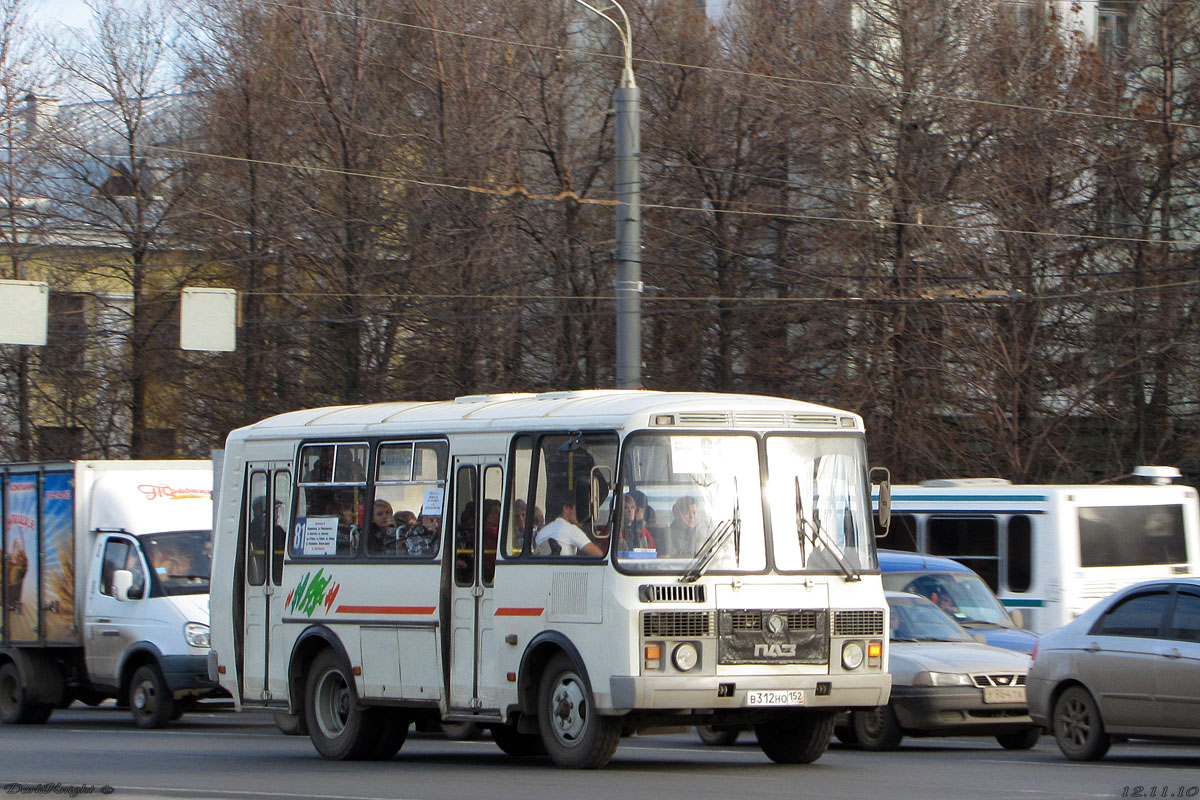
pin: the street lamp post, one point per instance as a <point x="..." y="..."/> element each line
<point x="628" y="188"/>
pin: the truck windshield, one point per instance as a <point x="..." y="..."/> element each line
<point x="820" y="502"/>
<point x="181" y="560"/>
<point x="692" y="503"/>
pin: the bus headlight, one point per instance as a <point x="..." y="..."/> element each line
<point x="685" y="657"/>
<point x="196" y="634"/>
<point x="852" y="655"/>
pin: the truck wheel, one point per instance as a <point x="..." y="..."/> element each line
<point x="1077" y="726"/>
<point x="1020" y="740"/>
<point x="150" y="700"/>
<point x="796" y="738"/>
<point x="338" y="727"/>
<point x="14" y="709"/>
<point x="877" y="728"/>
<point x="576" y="737"/>
<point x="717" y="736"/>
<point x="517" y="744"/>
<point x="460" y="731"/>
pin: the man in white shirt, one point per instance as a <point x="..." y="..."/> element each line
<point x="565" y="530"/>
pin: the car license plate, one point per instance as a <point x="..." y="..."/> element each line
<point x="771" y="697"/>
<point x="1004" y="694"/>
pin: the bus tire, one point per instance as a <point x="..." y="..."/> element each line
<point x="877" y="729"/>
<point x="576" y="737"/>
<point x="796" y="738"/>
<point x="1077" y="726"/>
<point x="15" y="709"/>
<point x="715" y="736"/>
<point x="150" y="700"/>
<point x="517" y="744"/>
<point x="340" y="730"/>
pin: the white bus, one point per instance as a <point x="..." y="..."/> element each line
<point x="1049" y="552"/>
<point x="522" y="599"/>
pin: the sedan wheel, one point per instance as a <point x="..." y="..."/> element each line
<point x="1077" y="726"/>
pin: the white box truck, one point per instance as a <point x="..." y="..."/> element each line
<point x="105" y="584"/>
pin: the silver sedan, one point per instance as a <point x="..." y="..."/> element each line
<point x="1128" y="667"/>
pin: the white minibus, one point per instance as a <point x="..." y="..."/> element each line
<point x="1050" y="551"/>
<point x="563" y="569"/>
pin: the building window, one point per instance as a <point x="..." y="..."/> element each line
<point x="60" y="443"/>
<point x="66" y="335"/>
<point x="1112" y="30"/>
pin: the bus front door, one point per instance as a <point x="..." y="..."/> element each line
<point x="478" y="484"/>
<point x="268" y="487"/>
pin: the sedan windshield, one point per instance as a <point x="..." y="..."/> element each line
<point x="691" y="504"/>
<point x="915" y="619"/>
<point x="182" y="560"/>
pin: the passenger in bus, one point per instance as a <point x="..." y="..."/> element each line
<point x="381" y="537"/>
<point x="635" y="534"/>
<point x="683" y="536"/>
<point x="347" y="535"/>
<point x="563" y="536"/>
<point x="403" y="519"/>
<point x="420" y="538"/>
<point x="491" y="537"/>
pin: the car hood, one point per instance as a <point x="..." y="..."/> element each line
<point x="909" y="658"/>
<point x="193" y="607"/>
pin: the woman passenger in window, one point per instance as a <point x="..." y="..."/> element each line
<point x="635" y="534"/>
<point x="682" y="536"/>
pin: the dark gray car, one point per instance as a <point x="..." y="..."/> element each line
<point x="1128" y="667"/>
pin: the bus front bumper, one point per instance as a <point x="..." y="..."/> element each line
<point x="832" y="692"/>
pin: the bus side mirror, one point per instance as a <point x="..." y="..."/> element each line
<point x="881" y="476"/>
<point x="122" y="582"/>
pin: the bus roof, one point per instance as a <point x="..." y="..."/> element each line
<point x="590" y="408"/>
<point x="1095" y="493"/>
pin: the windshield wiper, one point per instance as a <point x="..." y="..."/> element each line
<point x="819" y="537"/>
<point x="715" y="541"/>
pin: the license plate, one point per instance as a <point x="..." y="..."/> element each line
<point x="770" y="697"/>
<point x="1004" y="694"/>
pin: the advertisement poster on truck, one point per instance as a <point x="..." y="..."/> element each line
<point x="21" y="558"/>
<point x="58" y="558"/>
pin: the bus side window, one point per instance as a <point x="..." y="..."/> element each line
<point x="521" y="523"/>
<point x="258" y="526"/>
<point x="1020" y="553"/>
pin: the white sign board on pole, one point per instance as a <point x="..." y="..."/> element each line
<point x="24" y="312"/>
<point x="208" y="319"/>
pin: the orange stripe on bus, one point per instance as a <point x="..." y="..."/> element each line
<point x="386" y="609"/>
<point x="518" y="612"/>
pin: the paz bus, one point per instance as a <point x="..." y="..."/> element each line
<point x="477" y="560"/>
<point x="1049" y="552"/>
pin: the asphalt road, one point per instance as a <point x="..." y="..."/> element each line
<point x="98" y="752"/>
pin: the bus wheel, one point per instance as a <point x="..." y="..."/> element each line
<point x="576" y="737"/>
<point x="150" y="700"/>
<point x="514" y="743"/>
<point x="796" y="738"/>
<point x="14" y="708"/>
<point x="338" y="727"/>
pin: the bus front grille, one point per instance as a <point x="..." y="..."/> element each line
<point x="865" y="622"/>
<point x="676" y="624"/>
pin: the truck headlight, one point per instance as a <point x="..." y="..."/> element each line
<point x="196" y="634"/>
<point x="929" y="678"/>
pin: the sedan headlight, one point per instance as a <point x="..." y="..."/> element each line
<point x="196" y="634"/>
<point x="929" y="678"/>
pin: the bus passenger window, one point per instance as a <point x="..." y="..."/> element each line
<point x="1020" y="554"/>
<point x="330" y="510"/>
<point x="517" y="530"/>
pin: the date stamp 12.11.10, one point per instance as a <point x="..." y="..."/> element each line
<point x="1164" y="790"/>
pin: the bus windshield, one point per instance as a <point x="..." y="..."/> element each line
<point x="820" y="504"/>
<point x="691" y="504"/>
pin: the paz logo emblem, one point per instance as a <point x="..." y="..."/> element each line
<point x="776" y="624"/>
